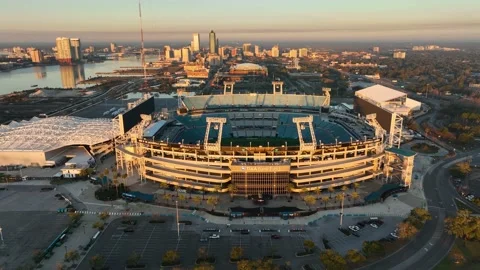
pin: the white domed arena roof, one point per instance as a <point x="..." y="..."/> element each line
<point x="247" y="66"/>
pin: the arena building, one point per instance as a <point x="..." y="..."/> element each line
<point x="56" y="140"/>
<point x="252" y="144"/>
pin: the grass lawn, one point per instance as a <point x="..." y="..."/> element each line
<point x="464" y="255"/>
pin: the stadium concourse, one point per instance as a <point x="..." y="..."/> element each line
<point x="221" y="143"/>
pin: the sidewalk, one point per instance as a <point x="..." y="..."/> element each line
<point x="80" y="237"/>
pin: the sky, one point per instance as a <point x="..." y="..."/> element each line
<point x="244" y="20"/>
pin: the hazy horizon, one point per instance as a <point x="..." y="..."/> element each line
<point x="268" y="20"/>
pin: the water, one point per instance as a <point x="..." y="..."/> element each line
<point x="59" y="76"/>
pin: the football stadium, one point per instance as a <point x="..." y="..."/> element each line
<point x="252" y="144"/>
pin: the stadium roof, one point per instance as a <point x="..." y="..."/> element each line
<point x="380" y="93"/>
<point x="247" y="66"/>
<point x="151" y="130"/>
<point x="45" y="134"/>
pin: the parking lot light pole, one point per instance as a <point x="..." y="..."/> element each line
<point x="341" y="211"/>
<point x="1" y="237"/>
<point x="178" y="223"/>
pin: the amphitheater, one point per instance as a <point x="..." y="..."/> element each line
<point x="251" y="144"/>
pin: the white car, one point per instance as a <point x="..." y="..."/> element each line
<point x="374" y="225"/>
<point x="354" y="228"/>
<point x="394" y="235"/>
<point x="214" y="236"/>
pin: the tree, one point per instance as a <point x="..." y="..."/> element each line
<point x="176" y="189"/>
<point x="317" y="192"/>
<point x="355" y="196"/>
<point x="309" y="200"/>
<point x="339" y="197"/>
<point x="373" y="248"/>
<point x="344" y="188"/>
<point x="355" y="257"/>
<point x="74" y="217"/>
<point x="332" y="260"/>
<point x="133" y="259"/>
<point x="464" y="226"/>
<point x="103" y="215"/>
<point x="203" y="193"/>
<point x="182" y="198"/>
<point x="164" y="186"/>
<point x="290" y="188"/>
<point x="244" y="265"/>
<point x="325" y="201"/>
<point x="197" y="200"/>
<point x="59" y="266"/>
<point x="171" y="257"/>
<point x="83" y="173"/>
<point x="72" y="256"/>
<point x="212" y="201"/>
<point x="202" y="253"/>
<point x="167" y="197"/>
<point x="406" y="230"/>
<point x="98" y="225"/>
<point x="232" y="189"/>
<point x="236" y="253"/>
<point x="461" y="169"/>
<point x="355" y="186"/>
<point x="97" y="262"/>
<point x="418" y="217"/>
<point x="37" y="256"/>
<point x="309" y="245"/>
<point x="331" y="190"/>
<point x="116" y="183"/>
<point x="204" y="267"/>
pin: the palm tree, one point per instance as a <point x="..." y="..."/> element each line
<point x="290" y="187"/>
<point x="355" y="196"/>
<point x="212" y="201"/>
<point x="176" y="189"/>
<point x="344" y="188"/>
<point x="181" y="198"/>
<point x="115" y="183"/>
<point x="203" y="193"/>
<point x="232" y="189"/>
<point x="167" y="197"/>
<point x="355" y="186"/>
<point x="197" y="200"/>
<point x="124" y="177"/>
<point x="309" y="200"/>
<point x="325" y="201"/>
<point x="189" y="191"/>
<point x="164" y="186"/>
<point x="339" y="197"/>
<point x="331" y="190"/>
<point x="317" y="192"/>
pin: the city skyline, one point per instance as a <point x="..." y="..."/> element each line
<point x="269" y="20"/>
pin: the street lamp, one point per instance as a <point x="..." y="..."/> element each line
<point x="1" y="237"/>
<point x="341" y="211"/>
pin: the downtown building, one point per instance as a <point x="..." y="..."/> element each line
<point x="68" y="50"/>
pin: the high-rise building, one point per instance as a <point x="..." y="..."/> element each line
<point x="234" y="52"/>
<point x="76" y="49"/>
<point x="186" y="55"/>
<point x="196" y="42"/>
<point x="303" y="52"/>
<point x="275" y="51"/>
<point x="36" y="55"/>
<point x="212" y="39"/>
<point x="247" y="47"/>
<point x="293" y="53"/>
<point x="257" y="50"/>
<point x="64" y="50"/>
<point x="113" y="47"/>
<point x="91" y="48"/>
<point x="217" y="45"/>
<point x="177" y="54"/>
<point x="399" y="54"/>
<point x="376" y="49"/>
<point x="167" y="51"/>
<point x="221" y="52"/>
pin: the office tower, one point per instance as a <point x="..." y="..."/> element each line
<point x="196" y="42"/>
<point x="36" y="55"/>
<point x="167" y="51"/>
<point x="376" y="49"/>
<point x="217" y="45"/>
<point x="177" y="54"/>
<point x="293" y="53"/>
<point x="76" y="49"/>
<point x="247" y="47"/>
<point x="212" y="39"/>
<point x="64" y="51"/>
<point x="186" y="55"/>
<point x="91" y="49"/>
<point x="399" y="55"/>
<point x="113" y="47"/>
<point x="221" y="52"/>
<point x="275" y="51"/>
<point x="303" y="52"/>
<point x="234" y="52"/>
<point x="257" y="50"/>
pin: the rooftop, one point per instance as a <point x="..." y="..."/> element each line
<point x="402" y="152"/>
<point x="380" y="93"/>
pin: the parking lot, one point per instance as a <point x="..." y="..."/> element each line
<point x="29" y="222"/>
<point x="151" y="241"/>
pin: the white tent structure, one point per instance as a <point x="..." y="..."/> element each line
<point x="38" y="141"/>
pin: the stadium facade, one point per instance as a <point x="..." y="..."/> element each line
<point x="242" y="143"/>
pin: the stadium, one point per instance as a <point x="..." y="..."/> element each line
<point x="252" y="144"/>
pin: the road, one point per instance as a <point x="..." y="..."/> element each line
<point x="432" y="243"/>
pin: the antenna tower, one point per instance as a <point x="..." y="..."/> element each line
<point x="142" y="52"/>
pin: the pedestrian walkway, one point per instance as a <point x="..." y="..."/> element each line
<point x="78" y="239"/>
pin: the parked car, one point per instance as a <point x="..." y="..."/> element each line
<point x="394" y="235"/>
<point x="276" y="236"/>
<point x="203" y="239"/>
<point x="128" y="229"/>
<point x="214" y="236"/>
<point x="374" y="225"/>
<point x="354" y="228"/>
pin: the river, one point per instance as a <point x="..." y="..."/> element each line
<point x="59" y="76"/>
